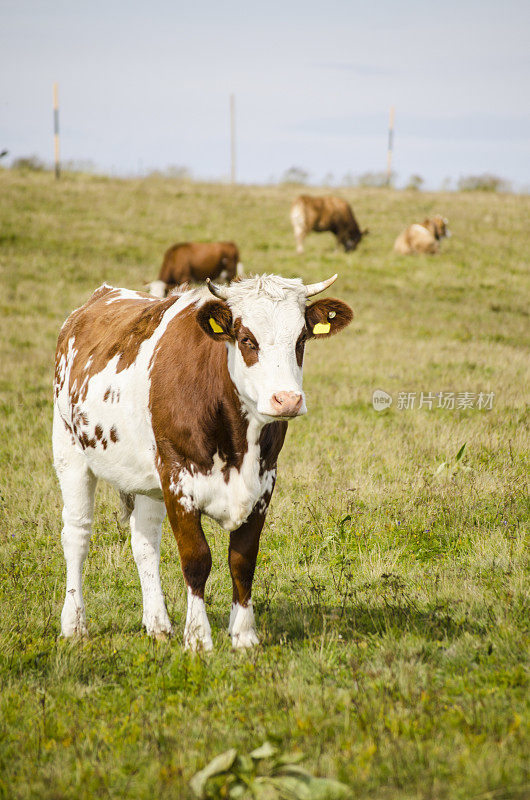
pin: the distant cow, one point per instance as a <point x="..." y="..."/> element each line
<point x="422" y="238"/>
<point x="196" y="261"/>
<point x="326" y="213"/>
<point x="182" y="405"/>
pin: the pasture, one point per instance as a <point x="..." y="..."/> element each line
<point x="391" y="594"/>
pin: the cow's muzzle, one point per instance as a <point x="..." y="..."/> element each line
<point x="286" y="404"/>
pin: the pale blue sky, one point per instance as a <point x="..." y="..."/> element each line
<point x="146" y="85"/>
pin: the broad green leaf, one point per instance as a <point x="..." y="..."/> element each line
<point x="219" y="764"/>
<point x="441" y="468"/>
<point x="306" y="787"/>
<point x="461" y="452"/>
<point x="290" y="758"/>
<point x="265" y="751"/>
<point x="238" y="791"/>
<point x="262" y="789"/>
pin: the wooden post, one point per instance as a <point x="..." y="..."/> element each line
<point x="390" y="147"/>
<point x="56" y="131"/>
<point x="232" y="139"/>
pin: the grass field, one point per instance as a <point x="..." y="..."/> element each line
<point x="392" y="597"/>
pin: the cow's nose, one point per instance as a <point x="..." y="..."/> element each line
<point x="286" y="404"/>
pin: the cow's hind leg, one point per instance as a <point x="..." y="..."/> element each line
<point x="78" y="486"/>
<point x="146" y="533"/>
<point x="299" y="227"/>
<point x="242" y="555"/>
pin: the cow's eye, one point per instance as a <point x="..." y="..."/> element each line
<point x="249" y="343"/>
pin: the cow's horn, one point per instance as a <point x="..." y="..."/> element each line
<point x="316" y="288"/>
<point x="218" y="291"/>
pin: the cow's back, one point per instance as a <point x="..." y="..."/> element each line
<point x="102" y="380"/>
<point x="196" y="261"/>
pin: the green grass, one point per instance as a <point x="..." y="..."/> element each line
<point x="392" y="603"/>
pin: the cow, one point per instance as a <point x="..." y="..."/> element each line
<point x="182" y="405"/>
<point x="326" y="213"/>
<point x="194" y="262"/>
<point x="422" y="238"/>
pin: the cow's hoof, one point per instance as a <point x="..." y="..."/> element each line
<point x="247" y="638"/>
<point x="196" y="643"/>
<point x="75" y="632"/>
<point x="158" y="626"/>
<point x="73" y="623"/>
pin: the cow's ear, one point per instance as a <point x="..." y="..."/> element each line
<point x="326" y="317"/>
<point x="215" y="318"/>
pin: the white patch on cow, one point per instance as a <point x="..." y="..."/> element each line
<point x="273" y="308"/>
<point x="127" y="294"/>
<point x="240" y="270"/>
<point x="197" y="632"/>
<point x="157" y="289"/>
<point x="242" y="626"/>
<point x="231" y="501"/>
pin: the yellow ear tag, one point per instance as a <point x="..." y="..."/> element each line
<point x="321" y="327"/>
<point x="216" y="328"/>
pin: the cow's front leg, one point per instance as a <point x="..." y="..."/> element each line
<point x="242" y="555"/>
<point x="196" y="561"/>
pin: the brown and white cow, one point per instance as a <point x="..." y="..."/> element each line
<point x="182" y="405"/>
<point x="326" y="213"/>
<point x="195" y="262"/>
<point x="422" y="238"/>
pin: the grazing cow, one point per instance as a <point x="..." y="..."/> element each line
<point x="326" y="213"/>
<point x="182" y="405"/>
<point x="196" y="261"/>
<point x="422" y="238"/>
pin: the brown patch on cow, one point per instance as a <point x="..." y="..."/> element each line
<point x="247" y="343"/>
<point x="190" y="425"/>
<point x="113" y="434"/>
<point x="327" y="213"/>
<point x="300" y="347"/>
<point x="271" y="442"/>
<point x="104" y="444"/>
<point x="103" y="330"/>
<point x="98" y="431"/>
<point x="328" y="310"/>
<point x="196" y="261"/>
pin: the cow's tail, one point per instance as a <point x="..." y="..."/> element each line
<point x="127" y="507"/>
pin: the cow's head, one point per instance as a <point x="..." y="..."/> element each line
<point x="266" y="322"/>
<point x="438" y="225"/>
<point x="352" y="239"/>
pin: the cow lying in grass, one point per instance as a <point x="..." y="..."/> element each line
<point x="182" y="404"/>
<point x="195" y="262"/>
<point x="422" y="238"/>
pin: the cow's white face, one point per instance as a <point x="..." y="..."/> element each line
<point x="265" y="322"/>
<point x="262" y="361"/>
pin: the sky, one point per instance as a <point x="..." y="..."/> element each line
<point x="146" y="85"/>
